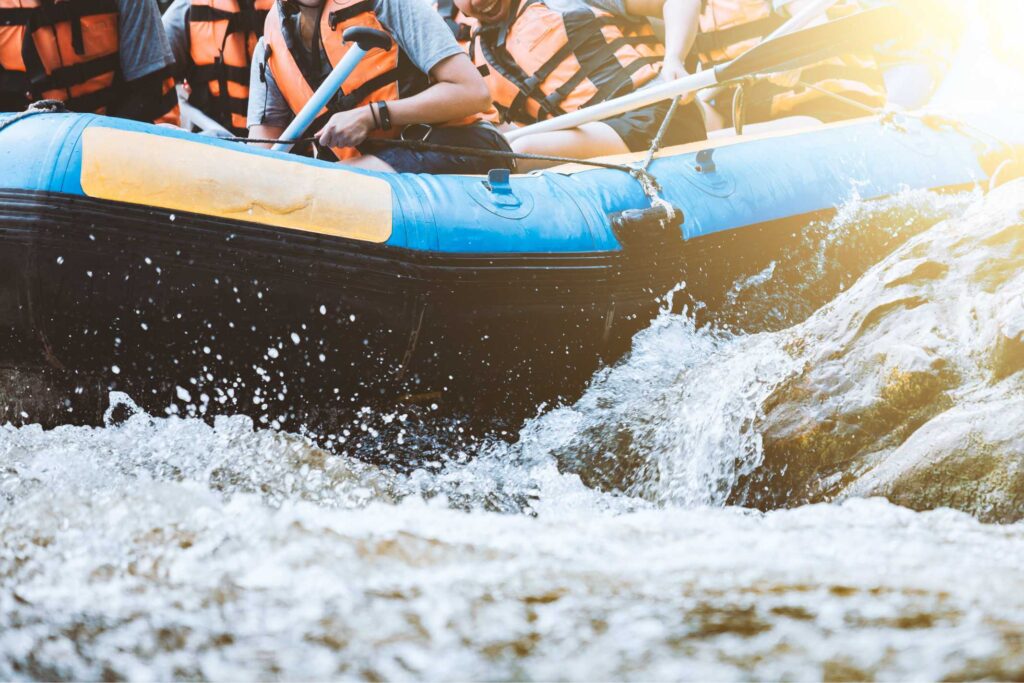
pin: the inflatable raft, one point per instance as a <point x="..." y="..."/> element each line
<point x="200" y="274"/>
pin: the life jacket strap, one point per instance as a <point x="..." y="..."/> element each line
<point x="248" y="21"/>
<point x="74" y="74"/>
<point x="15" y="16"/>
<point x="590" y="61"/>
<point x="354" y="10"/>
<point x="214" y="72"/>
<point x="345" y="101"/>
<point x="718" y="41"/>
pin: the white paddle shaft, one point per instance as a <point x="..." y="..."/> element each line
<point x="193" y="116"/>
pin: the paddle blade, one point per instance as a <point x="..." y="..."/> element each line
<point x="812" y="45"/>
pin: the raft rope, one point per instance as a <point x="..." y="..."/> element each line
<point x="39" y="107"/>
<point x="848" y="101"/>
<point x="421" y="146"/>
<point x="648" y="183"/>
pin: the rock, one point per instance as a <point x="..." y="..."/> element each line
<point x="912" y="380"/>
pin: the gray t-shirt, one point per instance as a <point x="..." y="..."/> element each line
<point x="414" y="24"/>
<point x="176" y="27"/>
<point x="144" y="46"/>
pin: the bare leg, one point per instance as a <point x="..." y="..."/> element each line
<point x="586" y="142"/>
<point x="369" y="162"/>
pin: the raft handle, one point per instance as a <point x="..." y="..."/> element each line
<point x="706" y="161"/>
<point x="499" y="184"/>
<point x="636" y="225"/>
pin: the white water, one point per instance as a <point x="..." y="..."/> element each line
<point x="598" y="546"/>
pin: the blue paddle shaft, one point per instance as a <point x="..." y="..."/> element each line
<point x="321" y="97"/>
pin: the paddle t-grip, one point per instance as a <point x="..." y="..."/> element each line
<point x="365" y="39"/>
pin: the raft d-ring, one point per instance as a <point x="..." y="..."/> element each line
<point x="706" y="175"/>
<point x="497" y="195"/>
<point x="498" y="182"/>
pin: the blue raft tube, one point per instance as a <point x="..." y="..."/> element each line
<point x="174" y="266"/>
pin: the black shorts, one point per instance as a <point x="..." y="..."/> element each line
<point x="479" y="136"/>
<point x="637" y="128"/>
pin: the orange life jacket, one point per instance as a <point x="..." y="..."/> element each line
<point x="729" y="28"/>
<point x="222" y="37"/>
<point x="463" y="28"/>
<point x="66" y="50"/>
<point x="547" y="62"/>
<point x="376" y="78"/>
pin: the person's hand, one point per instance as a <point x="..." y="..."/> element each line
<point x="346" y="128"/>
<point x="673" y="68"/>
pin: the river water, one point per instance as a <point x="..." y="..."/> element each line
<point x="832" y="494"/>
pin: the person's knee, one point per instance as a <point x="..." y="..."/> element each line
<point x="528" y="145"/>
<point x="370" y="162"/>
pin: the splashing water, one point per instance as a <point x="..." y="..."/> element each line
<point x="605" y="542"/>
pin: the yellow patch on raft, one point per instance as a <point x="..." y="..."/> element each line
<point x="182" y="175"/>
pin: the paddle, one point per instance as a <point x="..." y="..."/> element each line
<point x="200" y="119"/>
<point x="365" y="39"/>
<point x="799" y="20"/>
<point x="789" y="51"/>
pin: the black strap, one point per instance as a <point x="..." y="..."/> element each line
<point x="623" y="81"/>
<point x="501" y="61"/>
<point x="492" y="46"/>
<point x="712" y="41"/>
<point x="53" y="13"/>
<point x="351" y="100"/>
<point x="448" y="12"/>
<point x="342" y="15"/>
<point x="581" y="33"/>
<point x="92" y="102"/>
<point x="65" y="77"/>
<point x="16" y="16"/>
<point x="214" y="72"/>
<point x="248" y="20"/>
<point x="591" y="62"/>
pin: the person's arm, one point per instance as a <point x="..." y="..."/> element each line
<point x="681" y="19"/>
<point x="269" y="113"/>
<point x="457" y="91"/>
<point x="175" y="21"/>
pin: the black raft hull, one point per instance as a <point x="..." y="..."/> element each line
<point x="300" y="330"/>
